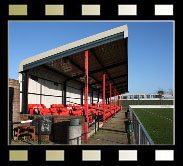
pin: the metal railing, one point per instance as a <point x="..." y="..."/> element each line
<point x="97" y="120"/>
<point x="141" y="136"/>
<point x="11" y="130"/>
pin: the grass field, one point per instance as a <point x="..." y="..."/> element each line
<point x="158" y="122"/>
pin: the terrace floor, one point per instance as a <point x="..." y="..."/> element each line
<point x="114" y="132"/>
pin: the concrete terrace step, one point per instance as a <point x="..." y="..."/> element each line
<point x="114" y="131"/>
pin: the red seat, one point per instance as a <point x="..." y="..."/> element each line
<point x="43" y="106"/>
<point x="107" y="115"/>
<point x="90" y="119"/>
<point x="31" y="111"/>
<point x="53" y="105"/>
<point x="30" y="106"/>
<point x="78" y="107"/>
<point x="45" y="111"/>
<point x="69" y="105"/>
<point x="54" y="111"/>
<point x="38" y="105"/>
<point x="64" y="114"/>
<point x="60" y="105"/>
<point x="64" y="109"/>
<point x="77" y="113"/>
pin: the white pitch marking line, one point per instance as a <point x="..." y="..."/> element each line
<point x="160" y="116"/>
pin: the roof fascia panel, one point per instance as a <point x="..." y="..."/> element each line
<point x="75" y="50"/>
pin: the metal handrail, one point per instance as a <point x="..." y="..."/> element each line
<point x="140" y="133"/>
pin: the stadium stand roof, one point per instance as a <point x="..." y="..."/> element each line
<point x="108" y="52"/>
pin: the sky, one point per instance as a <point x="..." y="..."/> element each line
<point x="150" y="47"/>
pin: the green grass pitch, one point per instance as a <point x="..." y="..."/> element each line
<point x="158" y="122"/>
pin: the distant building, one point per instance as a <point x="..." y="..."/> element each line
<point x="145" y="96"/>
<point x="168" y="96"/>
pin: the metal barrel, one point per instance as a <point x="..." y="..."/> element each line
<point x="74" y="122"/>
<point x="74" y="132"/>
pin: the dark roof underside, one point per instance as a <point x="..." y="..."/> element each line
<point x="111" y="58"/>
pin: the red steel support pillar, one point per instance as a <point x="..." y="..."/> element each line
<point x="121" y="103"/>
<point x="110" y="96"/>
<point x="118" y="100"/>
<point x="115" y="99"/>
<point x="104" y="99"/>
<point x="86" y="96"/>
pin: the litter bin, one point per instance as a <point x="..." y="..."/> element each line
<point x="74" y="122"/>
<point x="129" y="126"/>
<point x="74" y="132"/>
<point x="127" y="114"/>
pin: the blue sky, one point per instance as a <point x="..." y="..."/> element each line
<point x="150" y="48"/>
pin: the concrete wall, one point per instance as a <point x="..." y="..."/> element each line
<point x="44" y="92"/>
<point x="47" y="89"/>
<point x="73" y="93"/>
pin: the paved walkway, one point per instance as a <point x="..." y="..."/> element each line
<point x="114" y="131"/>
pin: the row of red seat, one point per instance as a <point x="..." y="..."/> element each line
<point x="56" y="109"/>
<point x="73" y="109"/>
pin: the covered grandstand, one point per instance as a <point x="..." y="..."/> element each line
<point x="77" y="79"/>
